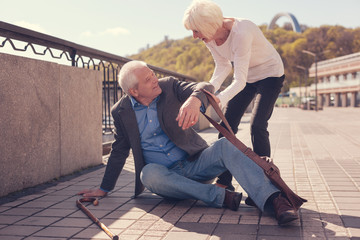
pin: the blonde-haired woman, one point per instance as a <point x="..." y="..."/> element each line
<point x="258" y="70"/>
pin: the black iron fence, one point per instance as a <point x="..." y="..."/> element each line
<point x="20" y="39"/>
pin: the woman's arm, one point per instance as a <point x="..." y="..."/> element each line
<point x="222" y="68"/>
<point x="241" y="48"/>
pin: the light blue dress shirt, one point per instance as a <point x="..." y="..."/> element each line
<point x="156" y="145"/>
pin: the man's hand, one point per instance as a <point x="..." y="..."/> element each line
<point x="92" y="193"/>
<point x="217" y="100"/>
<point x="189" y="113"/>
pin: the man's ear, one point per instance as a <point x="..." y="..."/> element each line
<point x="133" y="92"/>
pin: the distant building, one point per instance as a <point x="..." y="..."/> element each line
<point x="338" y="81"/>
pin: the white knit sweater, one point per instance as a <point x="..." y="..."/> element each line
<point x="253" y="56"/>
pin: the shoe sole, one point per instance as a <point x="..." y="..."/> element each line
<point x="250" y="202"/>
<point x="287" y="218"/>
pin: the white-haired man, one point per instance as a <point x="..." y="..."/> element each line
<point x="154" y="119"/>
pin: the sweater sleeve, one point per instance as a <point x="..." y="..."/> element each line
<point x="241" y="49"/>
<point x="222" y="68"/>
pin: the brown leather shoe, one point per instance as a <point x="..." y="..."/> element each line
<point x="228" y="187"/>
<point x="284" y="212"/>
<point x="232" y="200"/>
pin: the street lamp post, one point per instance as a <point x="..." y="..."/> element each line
<point x="305" y="71"/>
<point x="316" y="80"/>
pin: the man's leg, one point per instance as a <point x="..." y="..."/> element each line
<point x="224" y="155"/>
<point x="171" y="183"/>
<point x="181" y="181"/>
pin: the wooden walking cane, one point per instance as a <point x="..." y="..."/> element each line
<point x="270" y="169"/>
<point x="92" y="217"/>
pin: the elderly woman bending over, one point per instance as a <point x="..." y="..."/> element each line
<point x="258" y="70"/>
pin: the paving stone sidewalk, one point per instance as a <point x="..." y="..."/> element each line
<point x="319" y="157"/>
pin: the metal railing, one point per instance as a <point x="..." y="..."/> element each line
<point x="78" y="56"/>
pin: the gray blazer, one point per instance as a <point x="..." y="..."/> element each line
<point x="127" y="136"/>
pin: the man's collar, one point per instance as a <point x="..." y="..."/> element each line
<point x="135" y="103"/>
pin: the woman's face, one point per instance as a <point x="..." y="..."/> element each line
<point x="197" y="34"/>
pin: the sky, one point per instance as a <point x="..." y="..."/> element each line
<point x="122" y="27"/>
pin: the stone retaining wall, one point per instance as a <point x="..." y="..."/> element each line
<point x="50" y="121"/>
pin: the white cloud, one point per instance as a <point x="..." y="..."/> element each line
<point x="108" y="32"/>
<point x="116" y="31"/>
<point x="31" y="26"/>
<point x="86" y="34"/>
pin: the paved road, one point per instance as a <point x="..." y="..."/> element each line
<point x="319" y="157"/>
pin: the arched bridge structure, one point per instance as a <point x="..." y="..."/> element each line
<point x="294" y="23"/>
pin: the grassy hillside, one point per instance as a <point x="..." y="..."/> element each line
<point x="191" y="57"/>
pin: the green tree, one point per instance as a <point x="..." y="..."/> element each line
<point x="191" y="57"/>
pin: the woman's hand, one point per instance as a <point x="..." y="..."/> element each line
<point x="189" y="113"/>
<point x="92" y="193"/>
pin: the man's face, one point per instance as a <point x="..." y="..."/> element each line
<point x="148" y="86"/>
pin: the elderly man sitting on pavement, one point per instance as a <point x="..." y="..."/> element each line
<point x="155" y="120"/>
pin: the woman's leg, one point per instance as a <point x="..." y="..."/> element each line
<point x="237" y="106"/>
<point x="233" y="114"/>
<point x="267" y="92"/>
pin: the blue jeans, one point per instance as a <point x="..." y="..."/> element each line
<point x="184" y="179"/>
